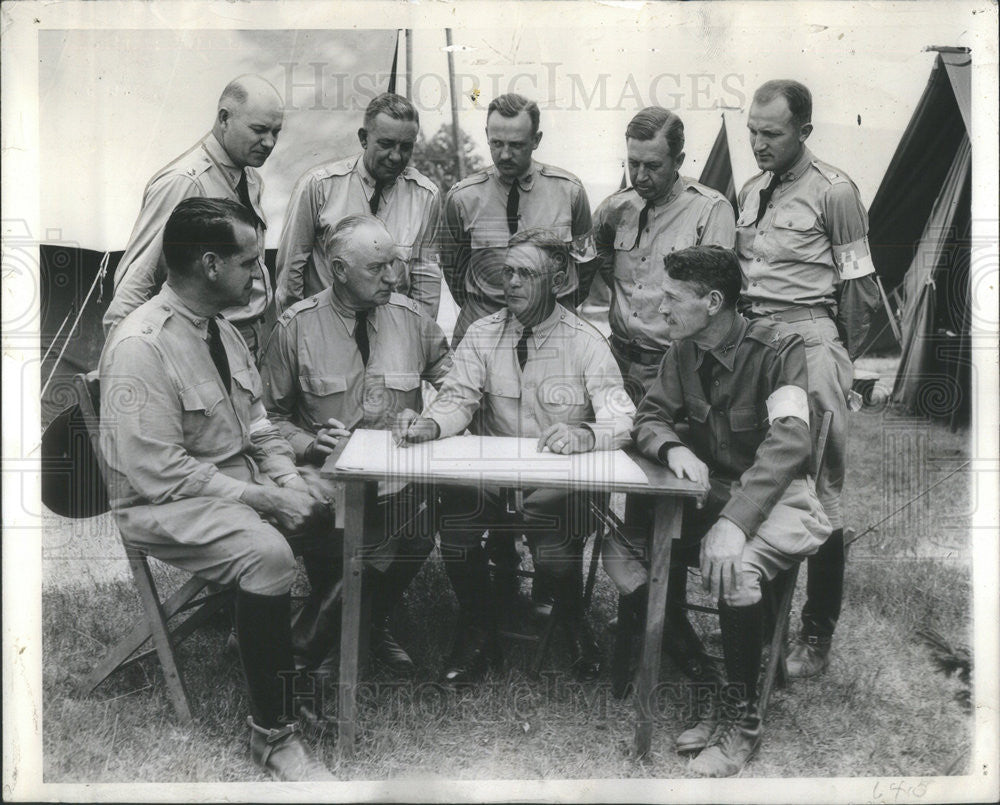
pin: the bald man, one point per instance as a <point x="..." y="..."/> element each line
<point x="221" y="165"/>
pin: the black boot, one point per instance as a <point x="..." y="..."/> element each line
<point x="737" y="736"/>
<point x="585" y="656"/>
<point x="387" y="593"/>
<point x="824" y="597"/>
<point x="476" y="646"/>
<point x="628" y="636"/>
<point x="316" y="626"/>
<point x="264" y="634"/>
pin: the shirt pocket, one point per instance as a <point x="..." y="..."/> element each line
<point x="698" y="409"/>
<point x="501" y="386"/>
<point x="746" y="230"/>
<point x="747" y="421"/>
<point x="203" y="405"/>
<point x="561" y="399"/>
<point x="323" y="385"/>
<point x="793" y="237"/>
<point x="246" y="389"/>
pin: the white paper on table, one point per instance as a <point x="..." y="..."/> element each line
<point x="504" y="459"/>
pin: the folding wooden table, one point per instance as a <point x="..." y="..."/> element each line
<point x="666" y="488"/>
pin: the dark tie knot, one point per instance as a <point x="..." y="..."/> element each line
<point x="218" y="352"/>
<point x="513" y="202"/>
<point x="376" y="196"/>
<point x="765" y="196"/>
<point x="643" y="220"/>
<point x="361" y="334"/>
<point x="522" y="347"/>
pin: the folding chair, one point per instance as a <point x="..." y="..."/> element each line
<point x="154" y="625"/>
<point x="544" y="637"/>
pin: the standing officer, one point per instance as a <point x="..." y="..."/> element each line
<point x="378" y="181"/>
<point x="531" y="370"/>
<point x="634" y="230"/>
<point x="199" y="478"/>
<point x="353" y="356"/>
<point x="802" y="240"/>
<point x="483" y="210"/>
<point x="221" y="165"/>
<point x="740" y="387"/>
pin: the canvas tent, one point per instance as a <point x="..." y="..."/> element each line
<point x="718" y="170"/>
<point x="920" y="238"/>
<point x="139" y="98"/>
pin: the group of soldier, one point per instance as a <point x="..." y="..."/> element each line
<point x="731" y="334"/>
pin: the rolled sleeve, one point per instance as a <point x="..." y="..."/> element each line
<point x="613" y="408"/>
<point x="272" y="452"/>
<point x="719" y="228"/>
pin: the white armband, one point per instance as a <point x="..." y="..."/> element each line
<point x="854" y="260"/>
<point x="788" y="401"/>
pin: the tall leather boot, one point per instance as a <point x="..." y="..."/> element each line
<point x="264" y="635"/>
<point x="738" y="733"/>
<point x="476" y="646"/>
<point x="824" y="596"/>
<point x="316" y="626"/>
<point x="387" y="593"/>
<point x="585" y="656"/>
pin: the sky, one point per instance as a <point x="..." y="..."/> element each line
<point x="117" y="105"/>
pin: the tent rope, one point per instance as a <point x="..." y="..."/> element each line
<point x="98" y="281"/>
<point x="52" y="343"/>
<point x="910" y="502"/>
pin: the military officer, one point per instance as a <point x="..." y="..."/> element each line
<point x="802" y="240"/>
<point x="221" y="165"/>
<point x="740" y="387"/>
<point x="483" y="210"/>
<point x="381" y="181"/>
<point x="199" y="478"/>
<point x="532" y="369"/>
<point x="353" y="356"/>
<point x="634" y="229"/>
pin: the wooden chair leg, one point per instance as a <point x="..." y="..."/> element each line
<point x="119" y="654"/>
<point x="161" y="637"/>
<point x="776" y="658"/>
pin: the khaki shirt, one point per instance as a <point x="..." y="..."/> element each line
<point x="474" y="233"/>
<point x="570" y="376"/>
<point x="691" y="215"/>
<point x="410" y="209"/>
<point x="204" y="171"/>
<point x="170" y="429"/>
<point x="312" y="369"/>
<point x="749" y="424"/>
<point x="813" y="234"/>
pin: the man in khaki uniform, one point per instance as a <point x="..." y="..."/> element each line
<point x="802" y="240"/>
<point x="353" y="356"/>
<point x="634" y="230"/>
<point x="379" y="181"/>
<point x="483" y="210"/>
<point x="220" y="165"/>
<point x="198" y="476"/>
<point x="533" y="370"/>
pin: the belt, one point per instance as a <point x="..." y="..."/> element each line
<point x="637" y="354"/>
<point x="793" y="314"/>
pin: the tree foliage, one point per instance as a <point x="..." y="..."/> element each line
<point x="435" y="158"/>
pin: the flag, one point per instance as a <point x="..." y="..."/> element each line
<point x="718" y="172"/>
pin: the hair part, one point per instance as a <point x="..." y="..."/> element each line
<point x="653" y="120"/>
<point x="797" y="95"/>
<point x="392" y="105"/>
<point x="555" y="249"/>
<point x="200" y="225"/>
<point x="511" y="105"/>
<point x="708" y="268"/>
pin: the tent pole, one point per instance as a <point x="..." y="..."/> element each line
<point x="456" y="132"/>
<point x="408" y="34"/>
<point x="888" y="309"/>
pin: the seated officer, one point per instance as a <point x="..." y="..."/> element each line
<point x="349" y="357"/>
<point x="199" y="478"/>
<point x="533" y="370"/>
<point x="740" y="387"/>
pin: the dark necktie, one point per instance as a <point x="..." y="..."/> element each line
<point x="361" y="334"/>
<point x="765" y="197"/>
<point x="243" y="191"/>
<point x="643" y="218"/>
<point x="376" y="196"/>
<point x="522" y="347"/>
<point x="513" y="199"/>
<point x="705" y="374"/>
<point x="218" y="353"/>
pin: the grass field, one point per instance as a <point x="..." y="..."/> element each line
<point x="881" y="710"/>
